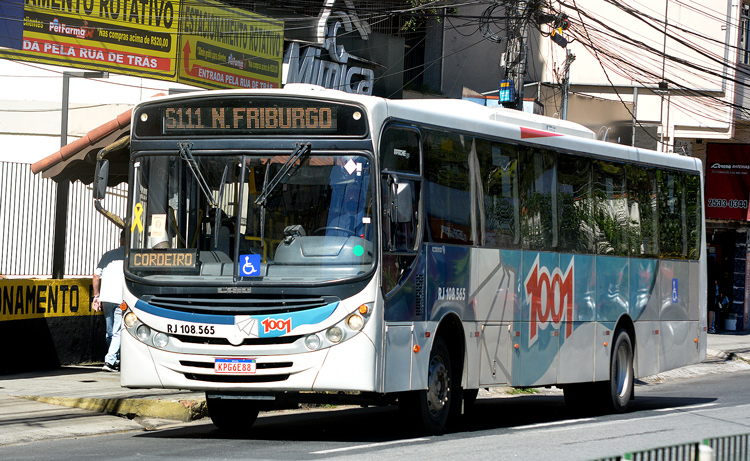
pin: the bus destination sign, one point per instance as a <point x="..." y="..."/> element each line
<point x="245" y="116"/>
<point x="165" y="261"/>
<point x="196" y="119"/>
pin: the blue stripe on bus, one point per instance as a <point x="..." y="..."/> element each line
<point x="309" y="317"/>
<point x="184" y="316"/>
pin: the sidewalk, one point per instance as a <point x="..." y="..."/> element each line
<point x="89" y="388"/>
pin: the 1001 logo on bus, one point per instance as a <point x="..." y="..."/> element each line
<point x="551" y="298"/>
<point x="270" y="324"/>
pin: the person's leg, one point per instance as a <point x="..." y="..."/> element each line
<point x="113" y="353"/>
<point x="108" y="309"/>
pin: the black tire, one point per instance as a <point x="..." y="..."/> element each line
<point x="430" y="408"/>
<point x="232" y="415"/>
<point x="619" y="390"/>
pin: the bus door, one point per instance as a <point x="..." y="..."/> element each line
<point x="402" y="269"/>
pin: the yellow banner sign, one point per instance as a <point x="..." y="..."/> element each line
<point x="223" y="47"/>
<point x="137" y="37"/>
<point x="25" y="299"/>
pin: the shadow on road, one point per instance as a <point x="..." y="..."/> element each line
<point x="383" y="424"/>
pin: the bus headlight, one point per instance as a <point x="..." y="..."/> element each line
<point x="160" y="340"/>
<point x="334" y="334"/>
<point x="312" y="342"/>
<point x="130" y="320"/>
<point x="143" y="332"/>
<point x="355" y="322"/>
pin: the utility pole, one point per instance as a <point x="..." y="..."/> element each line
<point x="515" y="53"/>
<point x="569" y="58"/>
<point x="63" y="185"/>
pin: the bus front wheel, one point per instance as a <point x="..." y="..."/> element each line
<point x="232" y="415"/>
<point x="430" y="408"/>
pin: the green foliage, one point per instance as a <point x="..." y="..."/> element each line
<point x="419" y="14"/>
<point x="522" y="391"/>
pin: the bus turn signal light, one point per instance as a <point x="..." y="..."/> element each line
<point x="416" y="348"/>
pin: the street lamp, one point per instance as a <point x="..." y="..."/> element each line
<point x="63" y="186"/>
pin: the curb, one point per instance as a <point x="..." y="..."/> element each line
<point x="179" y="410"/>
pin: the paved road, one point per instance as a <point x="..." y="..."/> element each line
<point x="523" y="427"/>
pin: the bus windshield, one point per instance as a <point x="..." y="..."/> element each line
<point x="288" y="217"/>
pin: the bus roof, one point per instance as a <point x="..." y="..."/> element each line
<point x="471" y="117"/>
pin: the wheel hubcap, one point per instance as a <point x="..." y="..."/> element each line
<point x="623" y="371"/>
<point x="438" y="386"/>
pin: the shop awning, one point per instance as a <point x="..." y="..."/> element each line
<point x="77" y="160"/>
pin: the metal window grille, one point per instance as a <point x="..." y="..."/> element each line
<point x="27" y="223"/>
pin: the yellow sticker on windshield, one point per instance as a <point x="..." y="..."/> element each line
<point x="137" y="218"/>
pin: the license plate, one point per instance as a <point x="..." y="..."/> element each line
<point x="235" y="366"/>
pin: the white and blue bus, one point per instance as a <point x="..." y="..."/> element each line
<point x="309" y="245"/>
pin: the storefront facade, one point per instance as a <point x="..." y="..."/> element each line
<point x="727" y="195"/>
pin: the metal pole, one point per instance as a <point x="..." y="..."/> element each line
<point x="63" y="189"/>
<point x="63" y="185"/>
<point x="569" y="57"/>
<point x="521" y="67"/>
<point x="635" y="113"/>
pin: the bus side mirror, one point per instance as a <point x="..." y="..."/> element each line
<point x="101" y="178"/>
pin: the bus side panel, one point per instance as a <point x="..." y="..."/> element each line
<point x="645" y="309"/>
<point x="398" y="357"/>
<point x="448" y="274"/>
<point x="675" y="290"/>
<point x="644" y="290"/>
<point x="676" y="333"/>
<point x="578" y="332"/>
<point x="495" y="355"/>
<point x="613" y="288"/>
<point x="540" y="329"/>
<point x="694" y="286"/>
<point x="647" y="348"/>
<point x="613" y="293"/>
<point x="494" y="278"/>
<point x="493" y="284"/>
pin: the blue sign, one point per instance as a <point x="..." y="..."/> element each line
<point x="675" y="291"/>
<point x="11" y="24"/>
<point x="249" y="265"/>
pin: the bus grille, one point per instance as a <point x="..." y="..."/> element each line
<point x="223" y="304"/>
<point x="246" y="342"/>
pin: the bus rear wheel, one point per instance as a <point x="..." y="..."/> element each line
<point x="232" y="415"/>
<point x="621" y="374"/>
<point x="430" y="408"/>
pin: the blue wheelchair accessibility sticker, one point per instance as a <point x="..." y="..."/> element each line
<point x="675" y="292"/>
<point x="249" y="265"/>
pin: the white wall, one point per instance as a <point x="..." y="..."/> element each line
<point x="31" y="100"/>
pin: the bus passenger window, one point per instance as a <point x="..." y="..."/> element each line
<point x="672" y="231"/>
<point x="611" y="208"/>
<point x="448" y="204"/>
<point x="574" y="204"/>
<point x="538" y="201"/>
<point x="693" y="215"/>
<point x="643" y="229"/>
<point x="498" y="163"/>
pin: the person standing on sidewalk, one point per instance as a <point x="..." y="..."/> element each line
<point x="108" y="281"/>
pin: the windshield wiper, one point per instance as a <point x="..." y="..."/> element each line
<point x="217" y="220"/>
<point x="187" y="156"/>
<point x="300" y="152"/>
